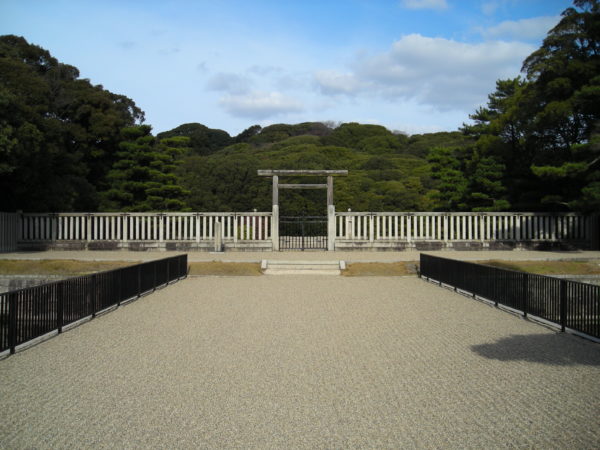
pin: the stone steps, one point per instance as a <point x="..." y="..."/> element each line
<point x="276" y="267"/>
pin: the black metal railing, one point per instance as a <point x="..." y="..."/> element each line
<point x="567" y="303"/>
<point x="28" y="313"/>
<point x="303" y="233"/>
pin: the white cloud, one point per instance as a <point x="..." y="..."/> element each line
<point x="534" y="28"/>
<point x="425" y="4"/>
<point x="260" y="105"/>
<point x="264" y="70"/>
<point x="331" y="82"/>
<point x="229" y="82"/>
<point x="489" y="8"/>
<point x="442" y="73"/>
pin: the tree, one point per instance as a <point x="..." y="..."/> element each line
<point x="144" y="179"/>
<point x="202" y="140"/>
<point x="447" y="169"/>
<point x="541" y="127"/>
<point x="57" y="131"/>
<point x="565" y="72"/>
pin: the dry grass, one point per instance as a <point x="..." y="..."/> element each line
<point x="549" y="267"/>
<point x="57" y="266"/>
<point x="378" y="269"/>
<point x="225" y="268"/>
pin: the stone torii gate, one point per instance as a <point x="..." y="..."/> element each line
<point x="275" y="174"/>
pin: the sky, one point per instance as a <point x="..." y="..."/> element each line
<point x="413" y="66"/>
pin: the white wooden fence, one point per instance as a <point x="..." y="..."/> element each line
<point x="159" y="227"/>
<point x="424" y="226"/>
<point x="8" y="232"/>
<point x="253" y="230"/>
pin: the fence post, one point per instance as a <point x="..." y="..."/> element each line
<point x="12" y="321"/>
<point x="154" y="283"/>
<point x="218" y="236"/>
<point x="93" y="295"/>
<point x="168" y="272"/>
<point x="121" y="271"/>
<point x="563" y="305"/>
<point x="59" y="307"/>
<point x="525" y="294"/>
<point x="139" y="280"/>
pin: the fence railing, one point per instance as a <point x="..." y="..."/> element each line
<point x="159" y="227"/>
<point x="28" y="313"/>
<point x="569" y="304"/>
<point x="9" y="225"/>
<point x="401" y="226"/>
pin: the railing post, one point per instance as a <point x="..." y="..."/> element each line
<point x="59" y="306"/>
<point x="525" y="294"/>
<point x="125" y="225"/>
<point x="154" y="282"/>
<point x="161" y="227"/>
<point x="12" y="321"/>
<point x="168" y="272"/>
<point x="120" y="288"/>
<point x="94" y="294"/>
<point x="218" y="235"/>
<point x="563" y="304"/>
<point x="197" y="218"/>
<point x="88" y="227"/>
<point x="445" y="235"/>
<point x="139" y="280"/>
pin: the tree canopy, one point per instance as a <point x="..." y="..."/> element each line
<point x="66" y="144"/>
<point x="544" y="127"/>
<point x="59" y="134"/>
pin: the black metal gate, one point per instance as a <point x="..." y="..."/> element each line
<point x="303" y="233"/>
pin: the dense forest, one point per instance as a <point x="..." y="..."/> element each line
<point x="69" y="145"/>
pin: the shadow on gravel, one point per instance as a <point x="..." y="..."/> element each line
<point x="553" y="349"/>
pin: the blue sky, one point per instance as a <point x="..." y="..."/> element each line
<point x="411" y="65"/>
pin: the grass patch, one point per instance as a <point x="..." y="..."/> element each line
<point x="225" y="268"/>
<point x="57" y="266"/>
<point x="549" y="267"/>
<point x="378" y="269"/>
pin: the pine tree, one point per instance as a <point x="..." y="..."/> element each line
<point x="144" y="179"/>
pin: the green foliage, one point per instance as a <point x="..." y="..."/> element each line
<point x="447" y="169"/>
<point x="384" y="180"/>
<point x="279" y="132"/>
<point x="353" y="135"/>
<point x="541" y="128"/>
<point x="59" y="134"/>
<point x="533" y="146"/>
<point x="202" y="140"/>
<point x="144" y="179"/>
<point x="420" y="144"/>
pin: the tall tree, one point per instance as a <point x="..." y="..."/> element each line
<point x="202" y="140"/>
<point x="565" y="73"/>
<point x="58" y="132"/>
<point x="541" y="128"/>
<point x="144" y="179"/>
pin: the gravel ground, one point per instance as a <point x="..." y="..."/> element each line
<point x="303" y="362"/>
<point x="356" y="256"/>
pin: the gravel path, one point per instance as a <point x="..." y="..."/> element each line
<point x="303" y="362"/>
<point x="357" y="256"/>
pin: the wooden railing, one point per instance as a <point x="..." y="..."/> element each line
<point x="425" y="226"/>
<point x="353" y="230"/>
<point x="159" y="227"/>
